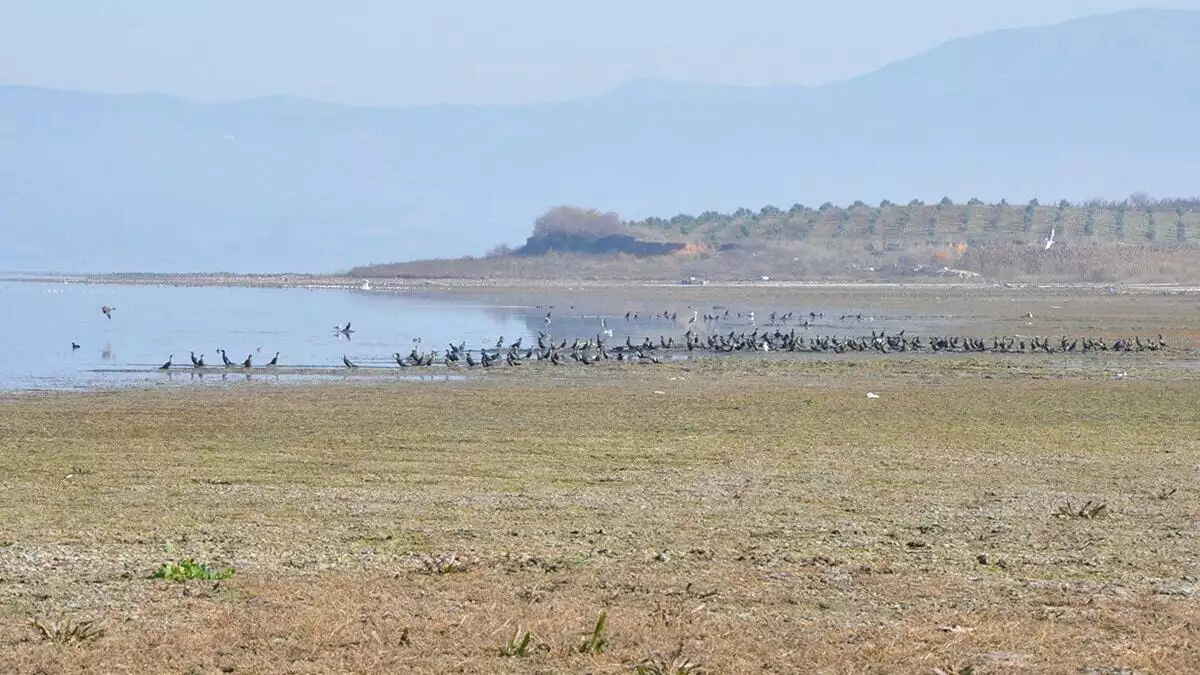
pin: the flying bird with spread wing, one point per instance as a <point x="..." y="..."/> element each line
<point x="107" y="310"/>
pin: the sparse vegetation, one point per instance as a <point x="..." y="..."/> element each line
<point x="802" y="522"/>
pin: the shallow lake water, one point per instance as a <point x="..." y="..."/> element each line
<point x="150" y="323"/>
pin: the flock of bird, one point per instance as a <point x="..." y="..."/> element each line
<point x="780" y="334"/>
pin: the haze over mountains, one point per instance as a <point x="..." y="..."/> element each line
<point x="1100" y="106"/>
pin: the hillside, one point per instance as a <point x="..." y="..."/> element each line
<point x="90" y="182"/>
<point x="1137" y="239"/>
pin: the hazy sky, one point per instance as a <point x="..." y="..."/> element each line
<point x="392" y="52"/>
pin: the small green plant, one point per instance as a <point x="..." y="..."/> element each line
<point x="596" y="642"/>
<point x="518" y="644"/>
<point x="674" y="663"/>
<point x="188" y="570"/>
<point x="67" y="631"/>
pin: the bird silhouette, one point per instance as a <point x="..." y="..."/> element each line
<point x="348" y="363"/>
<point x="167" y="365"/>
<point x="107" y="310"/>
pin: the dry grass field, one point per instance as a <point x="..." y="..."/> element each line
<point x="984" y="514"/>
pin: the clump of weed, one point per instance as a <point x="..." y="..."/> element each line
<point x="188" y="569"/>
<point x="596" y="642"/>
<point x="444" y="563"/>
<point x="1165" y="493"/>
<point x="674" y="663"/>
<point x="1088" y="511"/>
<point x="518" y="644"/>
<point x="67" y="631"/>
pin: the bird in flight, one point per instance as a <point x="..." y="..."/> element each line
<point x="107" y="310"/>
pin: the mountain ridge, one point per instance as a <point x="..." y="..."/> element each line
<point x="279" y="183"/>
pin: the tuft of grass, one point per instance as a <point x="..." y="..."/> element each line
<point x="518" y="644"/>
<point x="1089" y="511"/>
<point x="188" y="570"/>
<point x="674" y="663"/>
<point x="596" y="642"/>
<point x="66" y="631"/>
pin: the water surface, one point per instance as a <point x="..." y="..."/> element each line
<point x="152" y="322"/>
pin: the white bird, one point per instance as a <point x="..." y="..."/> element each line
<point x="1048" y="241"/>
<point x="606" y="330"/>
<point x="871" y="394"/>
<point x="366" y="285"/>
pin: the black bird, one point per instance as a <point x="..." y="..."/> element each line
<point x="347" y="361"/>
<point x="246" y="363"/>
<point x="273" y="362"/>
<point x="195" y="361"/>
<point x="74" y="346"/>
<point x="167" y="365"/>
<point x="107" y="310"/>
<point x="225" y="359"/>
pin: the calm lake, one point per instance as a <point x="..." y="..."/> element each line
<point x="150" y="323"/>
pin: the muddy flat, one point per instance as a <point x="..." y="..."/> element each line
<point x="759" y="513"/>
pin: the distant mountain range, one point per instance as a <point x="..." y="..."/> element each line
<point x="1099" y="106"/>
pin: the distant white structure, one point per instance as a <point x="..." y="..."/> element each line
<point x="1049" y="241"/>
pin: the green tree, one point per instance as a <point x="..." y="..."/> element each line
<point x="573" y="220"/>
<point x="997" y="217"/>
<point x="1180" y="226"/>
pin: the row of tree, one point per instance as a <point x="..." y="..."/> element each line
<point x="1138" y="201"/>
<point x="944" y="217"/>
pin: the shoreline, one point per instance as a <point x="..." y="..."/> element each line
<point x="339" y="282"/>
